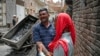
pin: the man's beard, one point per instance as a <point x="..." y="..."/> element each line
<point x="44" y="20"/>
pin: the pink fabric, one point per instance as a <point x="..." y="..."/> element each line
<point x="63" y="22"/>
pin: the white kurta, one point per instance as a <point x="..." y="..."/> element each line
<point x="59" y="50"/>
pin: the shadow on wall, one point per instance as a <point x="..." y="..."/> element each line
<point x="69" y="10"/>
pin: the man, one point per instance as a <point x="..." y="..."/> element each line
<point x="44" y="32"/>
<point x="14" y="20"/>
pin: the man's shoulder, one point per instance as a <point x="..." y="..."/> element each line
<point x="36" y="25"/>
<point x="52" y="24"/>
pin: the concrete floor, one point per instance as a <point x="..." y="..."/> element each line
<point x="8" y="51"/>
<point x="4" y="50"/>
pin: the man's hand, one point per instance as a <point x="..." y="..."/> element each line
<point x="41" y="48"/>
<point x="49" y="54"/>
<point x="39" y="44"/>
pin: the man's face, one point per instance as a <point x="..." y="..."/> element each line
<point x="14" y="16"/>
<point x="43" y="15"/>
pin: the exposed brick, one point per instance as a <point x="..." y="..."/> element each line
<point x="87" y="22"/>
<point x="98" y="2"/>
<point x="89" y="1"/>
<point x="93" y="28"/>
<point x="95" y="10"/>
<point x="93" y="22"/>
<point x="97" y="36"/>
<point x="97" y="43"/>
<point x="98" y="16"/>
<point x="98" y="30"/>
<point x="97" y="22"/>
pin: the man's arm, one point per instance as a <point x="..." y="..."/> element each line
<point x="42" y="48"/>
<point x="37" y="40"/>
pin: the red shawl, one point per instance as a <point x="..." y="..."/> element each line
<point x="63" y="22"/>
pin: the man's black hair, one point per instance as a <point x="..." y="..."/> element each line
<point x="43" y="9"/>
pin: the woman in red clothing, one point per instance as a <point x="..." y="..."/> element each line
<point x="62" y="45"/>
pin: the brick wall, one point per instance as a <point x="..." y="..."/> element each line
<point x="86" y="15"/>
